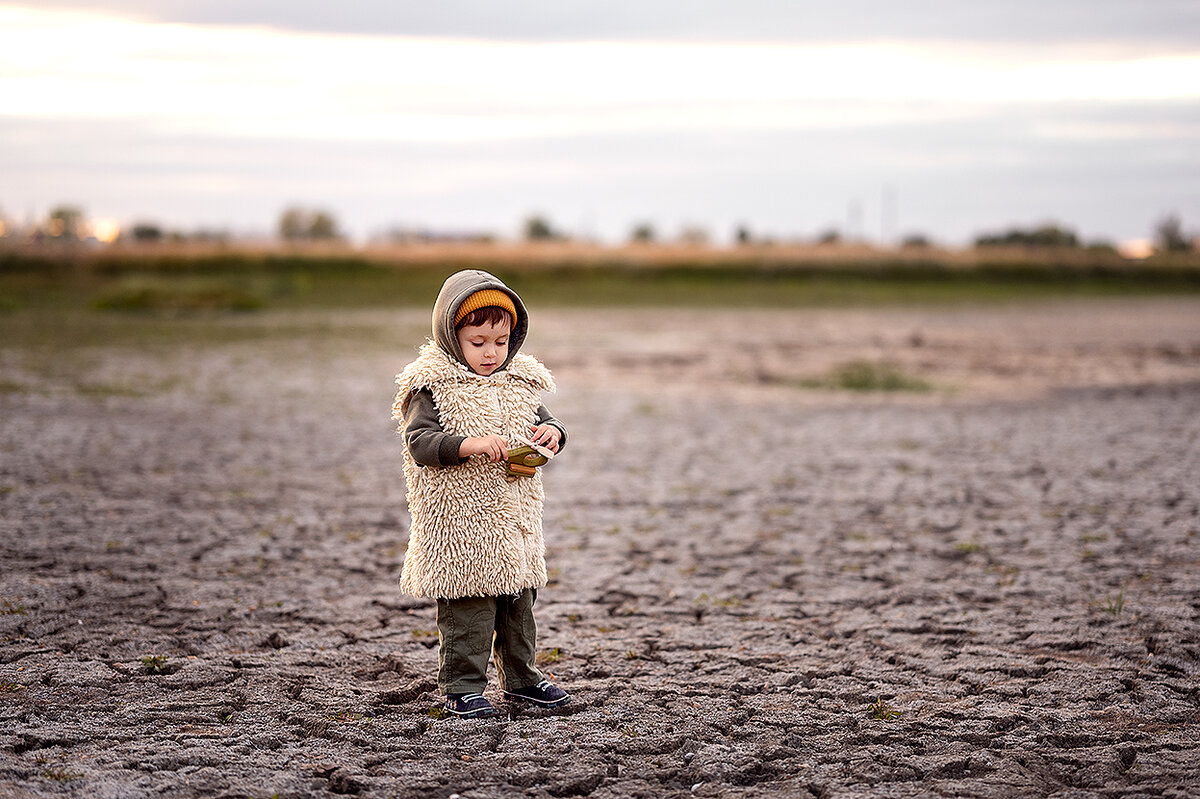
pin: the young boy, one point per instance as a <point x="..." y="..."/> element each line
<point x="475" y="543"/>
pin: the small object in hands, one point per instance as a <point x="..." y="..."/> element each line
<point x="524" y="459"/>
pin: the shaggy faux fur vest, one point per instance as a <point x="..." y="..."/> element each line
<point x="473" y="532"/>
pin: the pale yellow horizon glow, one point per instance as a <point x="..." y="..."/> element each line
<point x="263" y="82"/>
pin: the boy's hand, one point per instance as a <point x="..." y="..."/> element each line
<point x="495" y="447"/>
<point x="547" y="435"/>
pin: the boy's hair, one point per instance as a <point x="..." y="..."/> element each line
<point x="487" y="315"/>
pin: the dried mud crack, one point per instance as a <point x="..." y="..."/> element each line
<point x="990" y="588"/>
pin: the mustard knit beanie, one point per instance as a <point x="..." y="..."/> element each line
<point x="484" y="298"/>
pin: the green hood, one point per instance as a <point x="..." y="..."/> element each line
<point x="454" y="292"/>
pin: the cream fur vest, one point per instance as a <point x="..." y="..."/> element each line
<point x="473" y="532"/>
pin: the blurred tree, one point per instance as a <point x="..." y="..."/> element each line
<point x="302" y="224"/>
<point x="916" y="241"/>
<point x="742" y="235"/>
<point x="146" y="232"/>
<point x="643" y="233"/>
<point x="293" y="224"/>
<point x="323" y="226"/>
<point x="831" y="236"/>
<point x="1044" y="236"/>
<point x="1101" y="246"/>
<point x="537" y="228"/>
<point x="1054" y="236"/>
<point x="1169" y="236"/>
<point x="65" y="223"/>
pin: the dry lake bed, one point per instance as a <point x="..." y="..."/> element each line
<point x="830" y="553"/>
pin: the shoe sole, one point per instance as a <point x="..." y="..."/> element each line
<point x="555" y="703"/>
<point x="474" y="714"/>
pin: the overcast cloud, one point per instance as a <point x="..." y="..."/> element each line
<point x="1155" y="23"/>
<point x="791" y="118"/>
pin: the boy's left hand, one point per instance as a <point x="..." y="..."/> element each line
<point x="546" y="435"/>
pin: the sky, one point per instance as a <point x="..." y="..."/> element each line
<point x="944" y="118"/>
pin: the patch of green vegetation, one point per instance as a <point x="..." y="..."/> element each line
<point x="867" y="376"/>
<point x="968" y="547"/>
<point x="232" y="280"/>
<point x="731" y="601"/>
<point x="882" y="711"/>
<point x="158" y="295"/>
<point x="438" y="713"/>
<point x="547" y="657"/>
<point x="1114" y="605"/>
<point x="155" y="664"/>
<point x="59" y="774"/>
<point x="10" y="608"/>
<point x="11" y="687"/>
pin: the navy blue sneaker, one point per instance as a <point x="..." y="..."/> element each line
<point x="469" y="706"/>
<point x="544" y="694"/>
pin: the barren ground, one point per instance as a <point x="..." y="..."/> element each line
<point x="759" y="587"/>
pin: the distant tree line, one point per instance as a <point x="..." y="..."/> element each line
<point x="1042" y="236"/>
<point x="67" y="223"/>
<point x="1168" y="237"/>
<point x="307" y="224"/>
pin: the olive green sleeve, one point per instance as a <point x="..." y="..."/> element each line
<point x="545" y="417"/>
<point x="429" y="444"/>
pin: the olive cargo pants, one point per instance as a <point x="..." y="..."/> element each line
<point x="471" y="628"/>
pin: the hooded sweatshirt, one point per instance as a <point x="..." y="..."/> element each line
<point x="473" y="532"/>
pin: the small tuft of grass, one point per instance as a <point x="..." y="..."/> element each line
<point x="9" y="608"/>
<point x="882" y="711"/>
<point x="547" y="657"/>
<point x="11" y="687"/>
<point x="155" y="664"/>
<point x="731" y="601"/>
<point x="867" y="376"/>
<point x="438" y="713"/>
<point x="59" y="774"/>
<point x="1115" y="605"/>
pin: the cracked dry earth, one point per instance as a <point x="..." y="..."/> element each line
<point x="991" y="588"/>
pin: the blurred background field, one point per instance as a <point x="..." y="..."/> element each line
<point x="182" y="280"/>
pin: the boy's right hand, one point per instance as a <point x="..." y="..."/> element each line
<point x="495" y="447"/>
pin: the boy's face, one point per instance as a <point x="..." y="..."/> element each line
<point x="485" y="346"/>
